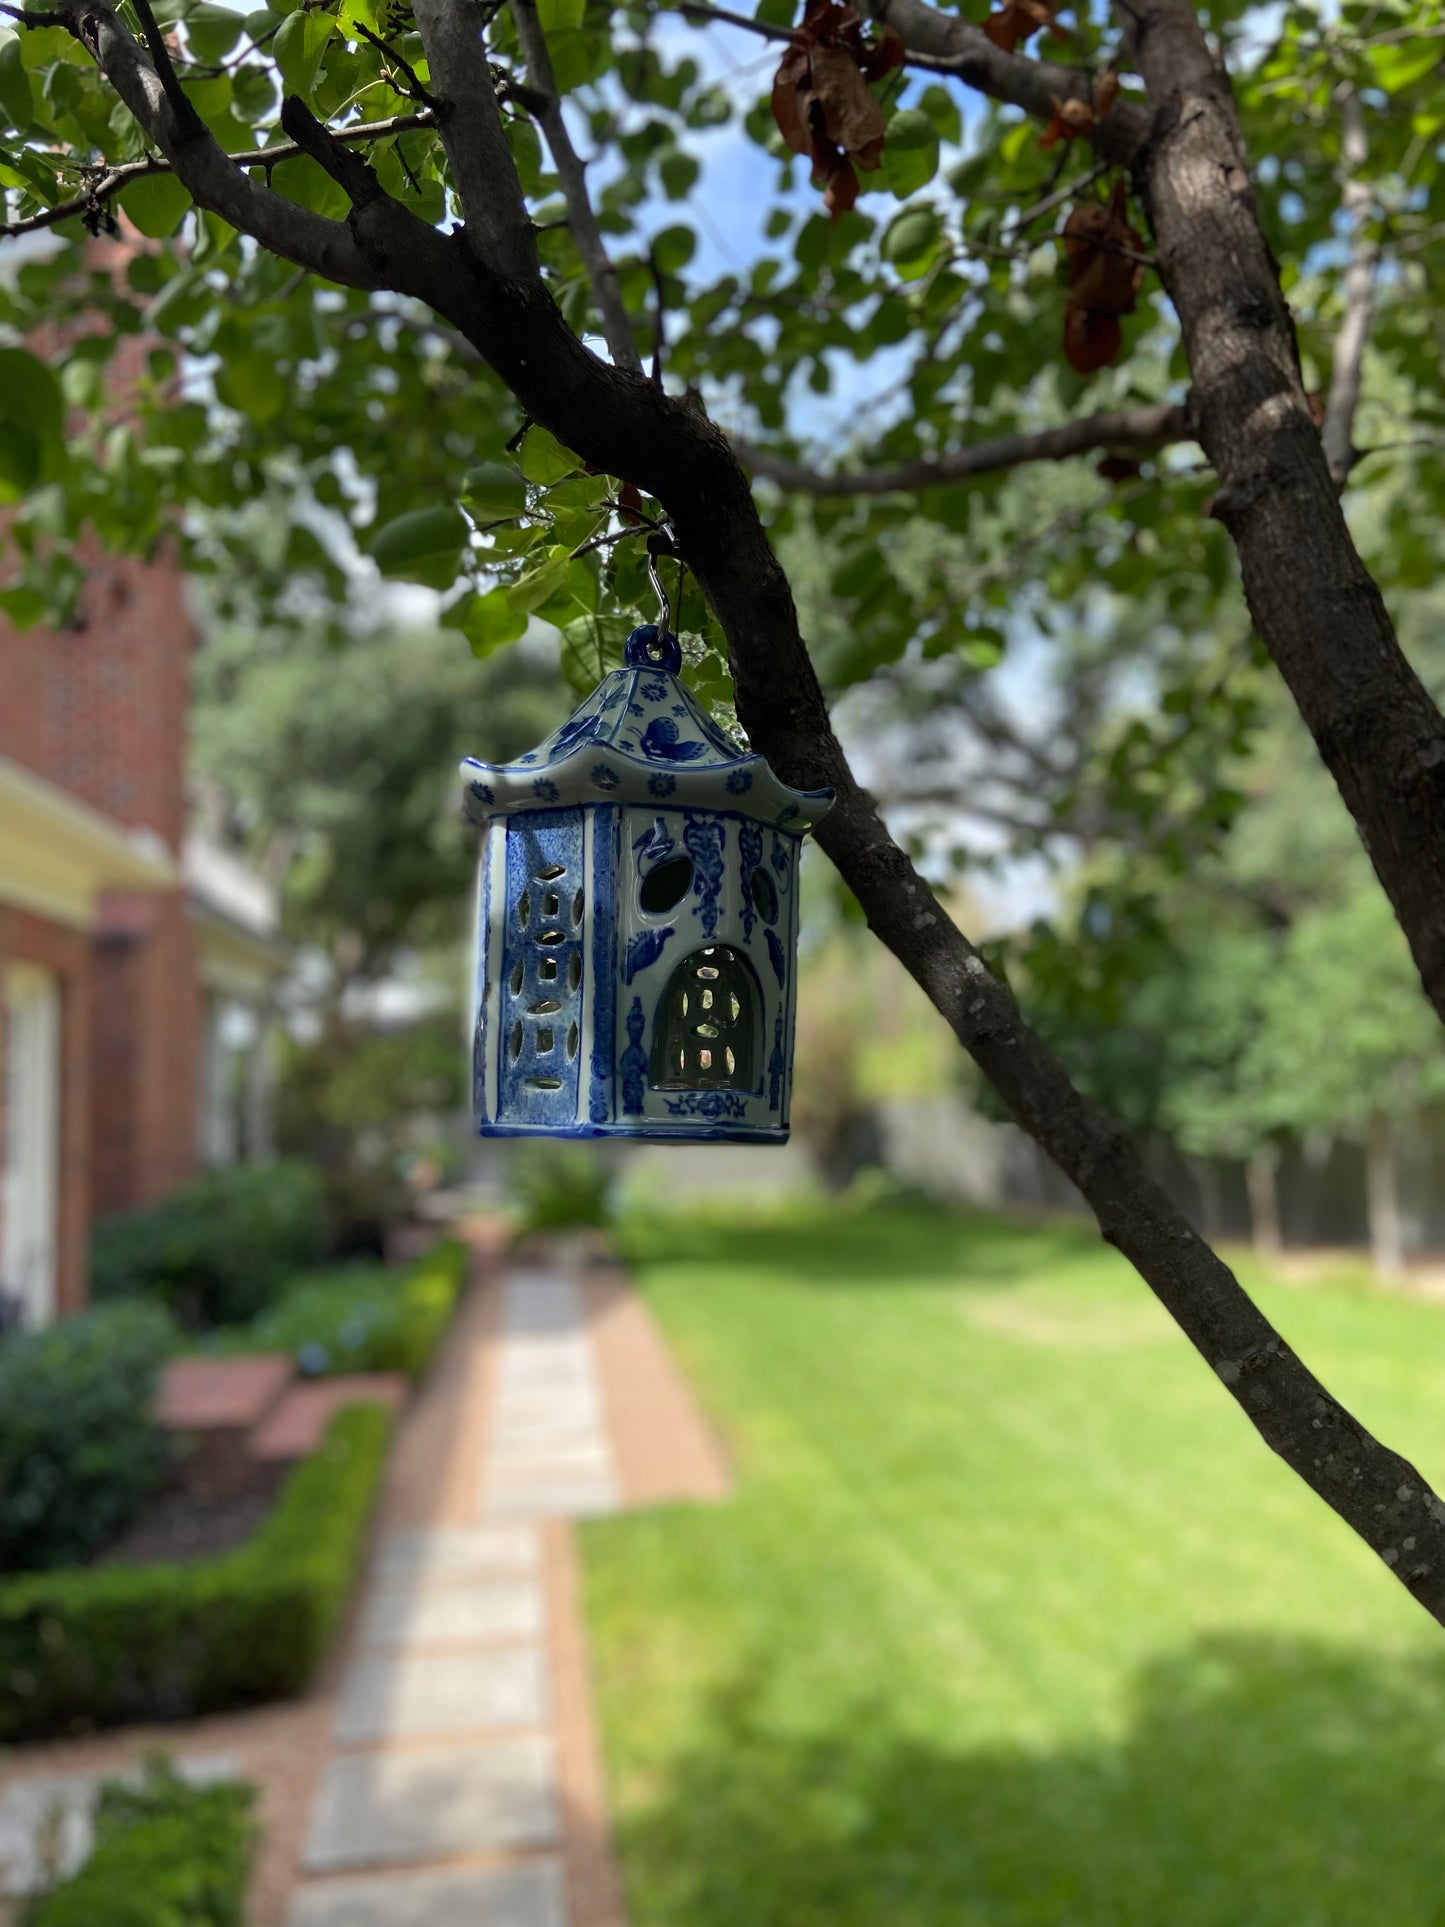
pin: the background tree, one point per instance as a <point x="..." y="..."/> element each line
<point x="336" y="770"/>
<point x="326" y="149"/>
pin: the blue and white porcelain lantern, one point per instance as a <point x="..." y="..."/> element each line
<point x="638" y="921"/>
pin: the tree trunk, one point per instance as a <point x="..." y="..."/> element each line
<point x="1313" y="601"/>
<point x="1261" y="1180"/>
<point x="1382" y="1194"/>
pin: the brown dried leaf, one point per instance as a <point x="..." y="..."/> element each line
<point x="1019" y="19"/>
<point x="851" y="116"/>
<point x="1071" y="118"/>
<point x="1106" y="92"/>
<point x="1104" y="280"/>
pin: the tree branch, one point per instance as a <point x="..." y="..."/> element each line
<point x="188" y="123"/>
<point x="1314" y="604"/>
<point x="617" y="329"/>
<point x="620" y="423"/>
<point x="1358" y="201"/>
<point x="113" y="180"/>
<point x="215" y="182"/>
<point x="498" y="228"/>
<point x="946" y="44"/>
<point x="1129" y="431"/>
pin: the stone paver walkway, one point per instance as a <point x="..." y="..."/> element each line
<point x="464" y="1787"/>
<point x="444" y="1769"/>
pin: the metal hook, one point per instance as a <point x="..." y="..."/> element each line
<point x="664" y="605"/>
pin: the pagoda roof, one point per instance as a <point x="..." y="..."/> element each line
<point x="641" y="737"/>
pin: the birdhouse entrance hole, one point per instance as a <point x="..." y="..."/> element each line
<point x="709" y="1025"/>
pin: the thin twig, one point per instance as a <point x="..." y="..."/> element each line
<point x="616" y="323"/>
<point x="116" y="178"/>
<point x="1358" y="201"/>
<point x="413" y="81"/>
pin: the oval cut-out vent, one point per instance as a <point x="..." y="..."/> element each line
<point x="666" y="886"/>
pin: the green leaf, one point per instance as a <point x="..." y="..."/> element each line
<point x="494" y="491"/>
<point x="673" y="248"/>
<point x="424" y="545"/>
<point x="212" y="31"/>
<point x="23" y="606"/>
<point x="490" y="622"/>
<point x="544" y="459"/>
<point x="298" y="48"/>
<point x="157" y="203"/>
<point x="1400" y="66"/>
<point x="557" y="14"/>
<point x="538" y="585"/>
<point x="911" y="241"/>
<point x="910" y="152"/>
<point x="252" y="384"/>
<point x="17" y="101"/>
<point x="303" y="181"/>
<point x="577" y="56"/>
<point x="32" y="415"/>
<point x="679" y="174"/>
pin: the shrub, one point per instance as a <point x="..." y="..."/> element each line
<point x="79" y="1449"/>
<point x="563" y="1187"/>
<point x="96" y="1645"/>
<point x="362" y="1318"/>
<point x="167" y="1854"/>
<point x="219" y="1250"/>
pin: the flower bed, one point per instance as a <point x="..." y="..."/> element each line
<point x="96" y="1646"/>
<point x="361" y="1318"/>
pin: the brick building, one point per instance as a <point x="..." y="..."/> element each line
<point x="136" y="963"/>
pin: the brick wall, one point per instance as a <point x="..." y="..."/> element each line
<point x="100" y="710"/>
<point x="145" y="1040"/>
<point x="35" y="940"/>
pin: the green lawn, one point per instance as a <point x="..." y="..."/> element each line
<point x="1012" y="1619"/>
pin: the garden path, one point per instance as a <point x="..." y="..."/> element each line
<point x="444" y="1769"/>
<point x="464" y="1787"/>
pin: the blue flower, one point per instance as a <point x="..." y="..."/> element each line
<point x="547" y="791"/>
<point x="482" y="792"/>
<point x="661" y="785"/>
<point x="530" y="757"/>
<point x="655" y="692"/>
<point x="604" y="778"/>
<point x="740" y="781"/>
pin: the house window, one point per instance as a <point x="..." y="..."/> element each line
<point x="709" y="1024"/>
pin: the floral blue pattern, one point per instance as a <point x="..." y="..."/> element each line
<point x="703" y="840"/>
<point x="656" y="691"/>
<point x="634" y="1061"/>
<point x="750" y="855"/>
<point x="604" y="778"/>
<point x="643" y="949"/>
<point x="547" y="791"/>
<point x="740" y="781"/>
<point x="662" y="785"/>
<point x="709" y="1104"/>
<point x="775" y="955"/>
<point x="483" y="792"/>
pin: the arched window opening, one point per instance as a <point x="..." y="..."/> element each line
<point x="709" y="1025"/>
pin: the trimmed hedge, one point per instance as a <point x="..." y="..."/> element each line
<point x="362" y="1318"/>
<point x="218" y="1251"/>
<point x="94" y="1646"/>
<point x="79" y="1450"/>
<point x="166" y="1854"/>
